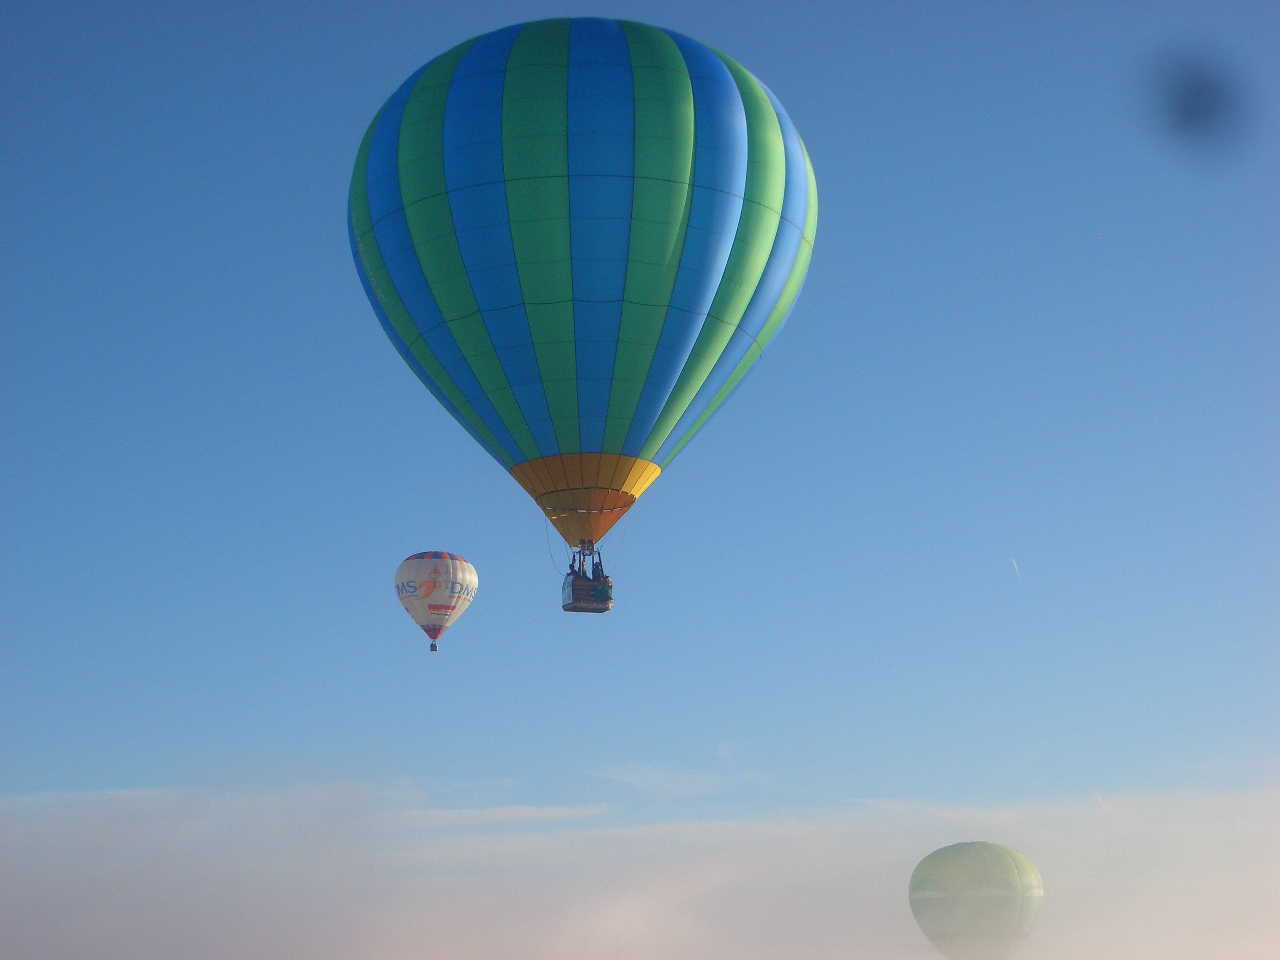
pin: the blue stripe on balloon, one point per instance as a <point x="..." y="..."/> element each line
<point x="719" y="178"/>
<point x="786" y="247"/>
<point x="382" y="183"/>
<point x="394" y="336"/>
<point x="795" y="199"/>
<point x="478" y="200"/>
<point x="386" y="209"/>
<point x="787" y="319"/>
<point x="601" y="168"/>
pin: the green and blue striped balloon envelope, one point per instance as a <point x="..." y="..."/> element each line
<point x="580" y="235"/>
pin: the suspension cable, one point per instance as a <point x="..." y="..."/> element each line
<point x="546" y="529"/>
<point x="621" y="546"/>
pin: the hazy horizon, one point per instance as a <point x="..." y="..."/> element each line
<point x="366" y="871"/>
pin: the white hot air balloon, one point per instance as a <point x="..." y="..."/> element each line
<point x="435" y="588"/>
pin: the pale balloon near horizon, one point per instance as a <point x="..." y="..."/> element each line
<point x="976" y="901"/>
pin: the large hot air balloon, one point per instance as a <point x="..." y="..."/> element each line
<point x="580" y="235"/>
<point x="436" y="588"/>
<point x="976" y="901"/>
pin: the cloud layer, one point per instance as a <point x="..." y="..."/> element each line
<point x="669" y="783"/>
<point x="360" y="872"/>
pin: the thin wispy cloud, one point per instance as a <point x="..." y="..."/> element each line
<point x="496" y="815"/>
<point x="729" y="751"/>
<point x="669" y="783"/>
<point x="347" y="873"/>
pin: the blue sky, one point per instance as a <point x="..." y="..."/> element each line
<point x="1040" y="326"/>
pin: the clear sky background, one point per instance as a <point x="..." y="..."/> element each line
<point x="1041" y="325"/>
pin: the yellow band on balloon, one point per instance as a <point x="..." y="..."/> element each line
<point x="585" y="494"/>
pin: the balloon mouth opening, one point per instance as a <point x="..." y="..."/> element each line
<point x="585" y="494"/>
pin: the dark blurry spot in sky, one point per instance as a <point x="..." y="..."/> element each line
<point x="1200" y="101"/>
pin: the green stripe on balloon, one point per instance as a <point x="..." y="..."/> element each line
<point x="752" y="244"/>
<point x="792" y="290"/>
<point x="375" y="269"/>
<point x="426" y="208"/>
<point x="777" y="317"/>
<point x="662" y="192"/>
<point x="535" y="160"/>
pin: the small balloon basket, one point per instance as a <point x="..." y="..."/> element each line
<point x="586" y="588"/>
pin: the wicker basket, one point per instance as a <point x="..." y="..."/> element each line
<point x="584" y="595"/>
